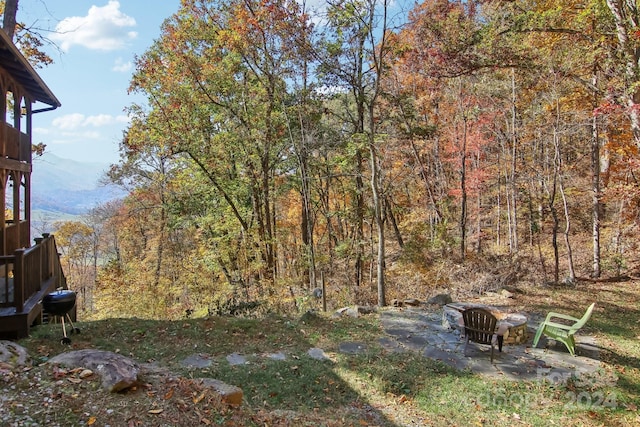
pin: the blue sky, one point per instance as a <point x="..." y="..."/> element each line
<point x="95" y="45"/>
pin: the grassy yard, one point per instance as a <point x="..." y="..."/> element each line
<point x="376" y="388"/>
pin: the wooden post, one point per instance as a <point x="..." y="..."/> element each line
<point x="18" y="281"/>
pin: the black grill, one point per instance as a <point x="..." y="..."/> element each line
<point x="59" y="303"/>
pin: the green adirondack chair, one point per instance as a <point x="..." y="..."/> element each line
<point x="563" y="332"/>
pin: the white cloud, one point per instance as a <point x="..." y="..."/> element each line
<point x="104" y="28"/>
<point x="76" y="121"/>
<point x="69" y="121"/>
<point x="121" y="66"/>
<point x="99" y="120"/>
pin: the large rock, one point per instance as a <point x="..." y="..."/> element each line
<point x="229" y="393"/>
<point x="440" y="299"/>
<point x="117" y="372"/>
<point x="354" y="311"/>
<point x="12" y="354"/>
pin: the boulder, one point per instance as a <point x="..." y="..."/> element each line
<point x="440" y="299"/>
<point x="13" y="355"/>
<point x="368" y="309"/>
<point x="505" y="293"/>
<point x="347" y="311"/>
<point x="354" y="311"/>
<point x="229" y="393"/>
<point x="117" y="372"/>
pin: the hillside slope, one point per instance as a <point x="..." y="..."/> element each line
<point x="66" y="186"/>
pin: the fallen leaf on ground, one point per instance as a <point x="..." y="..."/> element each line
<point x="198" y="399"/>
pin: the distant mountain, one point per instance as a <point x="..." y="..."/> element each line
<point x="65" y="186"/>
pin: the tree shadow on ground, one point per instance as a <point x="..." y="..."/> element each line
<point x="283" y="384"/>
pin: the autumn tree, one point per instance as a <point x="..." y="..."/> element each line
<point x="76" y="242"/>
<point x="217" y="87"/>
<point x="482" y="126"/>
<point x="354" y="57"/>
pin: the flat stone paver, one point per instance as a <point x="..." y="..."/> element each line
<point x="236" y="359"/>
<point x="317" y="353"/>
<point x="352" y="347"/>
<point x="198" y="361"/>
<point x="391" y="345"/>
<point x="277" y="356"/>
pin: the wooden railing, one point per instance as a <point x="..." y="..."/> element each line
<point x="14" y="144"/>
<point x="30" y="271"/>
<point x="15" y="235"/>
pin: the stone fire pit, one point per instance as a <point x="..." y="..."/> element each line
<point x="512" y="326"/>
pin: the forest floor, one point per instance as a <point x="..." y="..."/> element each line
<point x="374" y="386"/>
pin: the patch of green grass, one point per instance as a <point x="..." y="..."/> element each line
<point x="396" y="373"/>
<point x="301" y="384"/>
<point x="472" y="399"/>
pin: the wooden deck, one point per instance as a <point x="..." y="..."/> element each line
<point x="27" y="276"/>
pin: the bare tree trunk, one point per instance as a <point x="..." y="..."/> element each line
<point x="379" y="50"/>
<point x="463" y="189"/>
<point x="9" y="18"/>
<point x="558" y="174"/>
<point x="478" y="208"/>
<point x="396" y="230"/>
<point x="359" y="264"/>
<point x="427" y="181"/>
<point x="551" y="198"/>
<point x="626" y="18"/>
<point x="572" y="272"/>
<point x="513" y="211"/>
<point x="379" y="219"/>
<point x="307" y="220"/>
<point x="499" y="207"/>
<point x="554" y="235"/>
<point x="595" y="190"/>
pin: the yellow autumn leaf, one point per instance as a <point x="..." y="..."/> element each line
<point x="198" y="399"/>
<point x="168" y="394"/>
<point x="155" y="411"/>
<point x="91" y="421"/>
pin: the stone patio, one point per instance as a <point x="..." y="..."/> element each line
<point x="422" y="330"/>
